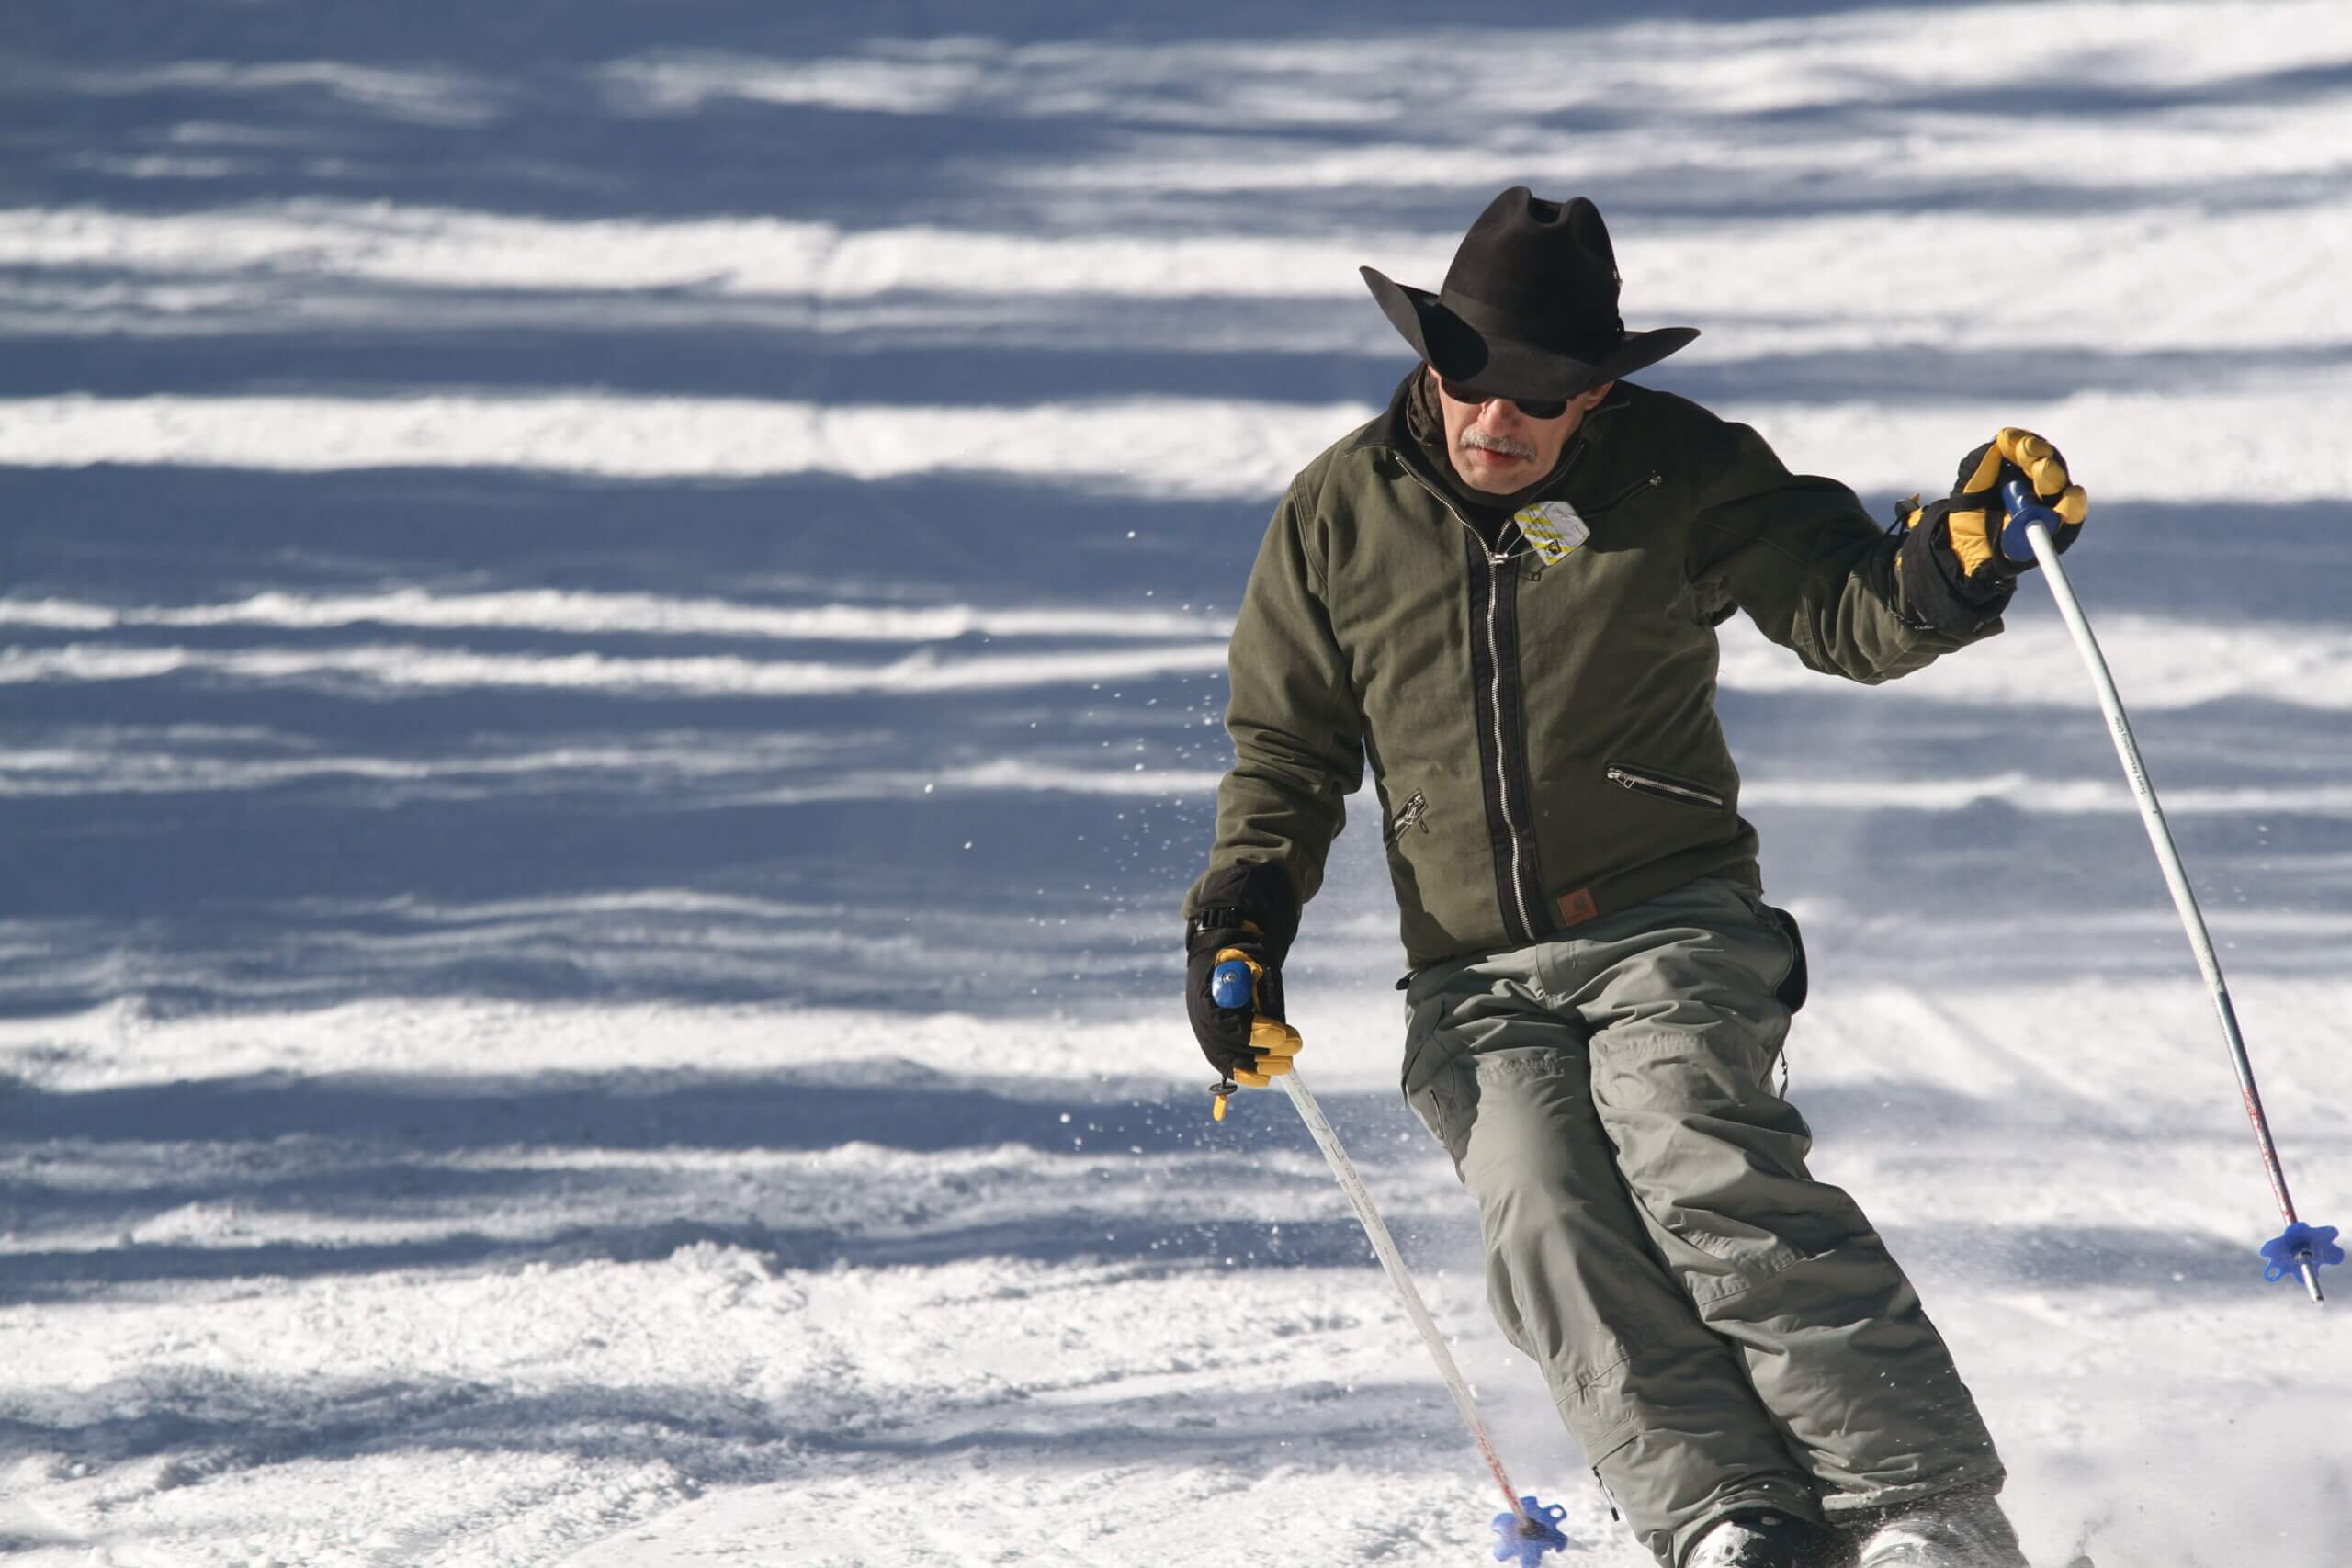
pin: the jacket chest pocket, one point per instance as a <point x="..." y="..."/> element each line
<point x="1621" y="516"/>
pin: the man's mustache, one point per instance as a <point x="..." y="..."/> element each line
<point x="1473" y="436"/>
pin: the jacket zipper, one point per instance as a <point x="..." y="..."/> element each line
<point x="1667" y="789"/>
<point x="1512" y="849"/>
<point x="1496" y="571"/>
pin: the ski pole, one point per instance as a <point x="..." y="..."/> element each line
<point x="2300" y="1249"/>
<point x="1531" y="1529"/>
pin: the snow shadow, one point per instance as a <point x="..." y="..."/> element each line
<point x="708" y="108"/>
<point x="338" y="1176"/>
<point x="215" y="1422"/>
<point x="957" y="357"/>
<point x="1051" y="1236"/>
<point x="296" y="1177"/>
<point x="924" y="351"/>
<point x="173" y="536"/>
<point x="801" y="1109"/>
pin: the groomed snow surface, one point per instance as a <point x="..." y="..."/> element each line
<point x="611" y="633"/>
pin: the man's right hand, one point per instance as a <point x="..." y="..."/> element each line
<point x="1973" y="517"/>
<point x="1246" y="913"/>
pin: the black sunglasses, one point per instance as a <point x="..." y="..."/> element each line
<point x="1533" y="408"/>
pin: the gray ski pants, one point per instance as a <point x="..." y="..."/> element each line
<point x="1720" y="1331"/>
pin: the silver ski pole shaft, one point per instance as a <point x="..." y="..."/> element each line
<point x="2191" y="917"/>
<point x="1386" y="1245"/>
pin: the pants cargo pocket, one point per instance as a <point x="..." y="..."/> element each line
<point x="1794" y="983"/>
<point x="1436" y="1108"/>
<point x="1431" y="1063"/>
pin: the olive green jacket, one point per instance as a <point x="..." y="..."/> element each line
<point x="1539" y="713"/>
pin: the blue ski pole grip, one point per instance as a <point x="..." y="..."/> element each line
<point x="1229" y="984"/>
<point x="2025" y="507"/>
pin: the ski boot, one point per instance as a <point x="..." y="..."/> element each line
<point x="1957" y="1529"/>
<point x="1763" y="1539"/>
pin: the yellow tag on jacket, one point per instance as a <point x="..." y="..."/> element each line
<point x="1552" y="528"/>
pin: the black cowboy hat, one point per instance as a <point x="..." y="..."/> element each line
<point x="1529" y="309"/>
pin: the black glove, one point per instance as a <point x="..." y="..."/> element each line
<point x="1247" y="912"/>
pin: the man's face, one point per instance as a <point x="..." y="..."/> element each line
<point x="1498" y="449"/>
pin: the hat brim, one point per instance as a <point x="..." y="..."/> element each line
<point x="1501" y="366"/>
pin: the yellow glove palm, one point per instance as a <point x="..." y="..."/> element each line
<point x="1275" y="1043"/>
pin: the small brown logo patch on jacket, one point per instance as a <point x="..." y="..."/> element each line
<point x="1578" y="907"/>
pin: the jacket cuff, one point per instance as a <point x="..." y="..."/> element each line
<point x="1263" y="895"/>
<point x="1937" y="595"/>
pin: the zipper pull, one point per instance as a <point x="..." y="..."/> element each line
<point x="1408" y="818"/>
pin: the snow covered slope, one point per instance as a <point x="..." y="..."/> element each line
<point x="611" y="629"/>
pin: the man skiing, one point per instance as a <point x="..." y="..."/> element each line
<point x="1502" y="591"/>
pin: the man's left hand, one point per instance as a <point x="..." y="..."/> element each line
<point x="1252" y="1045"/>
<point x="1973" y="515"/>
<point x="1249" y="913"/>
